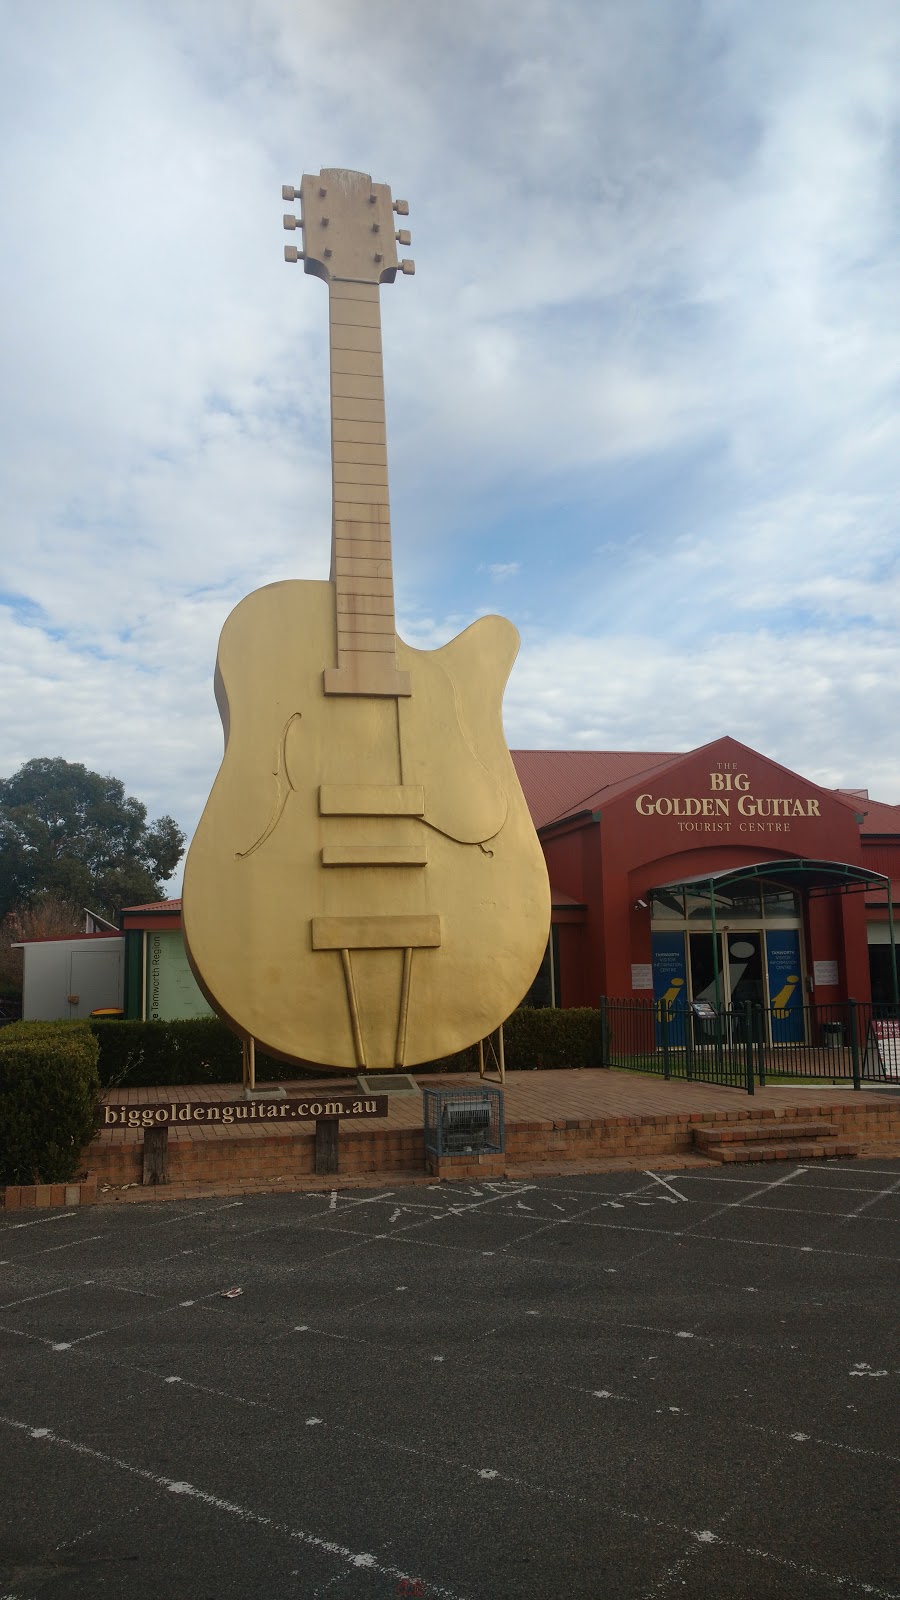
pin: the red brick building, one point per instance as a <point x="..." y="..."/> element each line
<point x="714" y="873"/>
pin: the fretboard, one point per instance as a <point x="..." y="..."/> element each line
<point x="361" y="568"/>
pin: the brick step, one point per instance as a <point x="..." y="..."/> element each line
<point x="768" y="1132"/>
<point x="798" y="1150"/>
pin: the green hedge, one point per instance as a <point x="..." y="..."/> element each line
<point x="48" y="1098"/>
<point x="146" y="1054"/>
<point x="541" y="1040"/>
<point x="204" y="1050"/>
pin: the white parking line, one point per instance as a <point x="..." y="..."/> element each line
<point x="666" y="1185"/>
<point x="881" y="1195"/>
<point x="45" y="1295"/>
<point x="350" y="1558"/>
<point x="59" y="1216"/>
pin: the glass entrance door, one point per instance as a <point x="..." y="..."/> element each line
<point x="740" y="968"/>
<point x="745" y="968"/>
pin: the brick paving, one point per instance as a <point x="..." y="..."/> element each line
<point x="566" y="1096"/>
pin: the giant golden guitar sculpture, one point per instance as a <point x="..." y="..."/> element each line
<point x="365" y="888"/>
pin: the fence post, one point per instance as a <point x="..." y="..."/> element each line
<point x="604" y="1037"/>
<point x="854" y="1042"/>
<point x="664" y="1024"/>
<point x="748" y="1046"/>
<point x="689" y="1026"/>
<point x="760" y="1040"/>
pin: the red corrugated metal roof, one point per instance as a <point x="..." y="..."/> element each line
<point x="554" y="782"/>
<point x="879" y="818"/>
<point x="155" y="905"/>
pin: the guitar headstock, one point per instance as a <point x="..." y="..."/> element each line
<point x="348" y="227"/>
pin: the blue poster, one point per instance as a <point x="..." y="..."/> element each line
<point x="670" y="983"/>
<point x="785" y="986"/>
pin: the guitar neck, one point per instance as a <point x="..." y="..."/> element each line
<point x="361" y="569"/>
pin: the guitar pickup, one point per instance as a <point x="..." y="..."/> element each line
<point x="374" y="855"/>
<point x="371" y="800"/>
<point x="376" y="933"/>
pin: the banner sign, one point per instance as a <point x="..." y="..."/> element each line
<point x="171" y="988"/>
<point x="883" y="1048"/>
<point x="785" y="986"/>
<point x="205" y="1113"/>
<point x="670" y="985"/>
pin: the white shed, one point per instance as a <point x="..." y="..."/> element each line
<point x="72" y="977"/>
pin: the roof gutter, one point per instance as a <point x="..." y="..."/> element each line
<point x="563" y="822"/>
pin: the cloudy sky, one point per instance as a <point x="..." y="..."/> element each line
<point x="642" y="391"/>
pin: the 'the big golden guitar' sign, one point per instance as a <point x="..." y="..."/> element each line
<point x="730" y="799"/>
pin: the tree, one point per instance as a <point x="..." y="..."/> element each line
<point x="45" y="918"/>
<point x="70" y="834"/>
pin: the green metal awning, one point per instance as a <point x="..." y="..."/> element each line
<point x="828" y="877"/>
<point x="814" y="877"/>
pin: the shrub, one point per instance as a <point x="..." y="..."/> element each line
<point x="203" y="1050"/>
<point x="137" y="1055"/>
<point x="540" y="1040"/>
<point x="48" y="1098"/>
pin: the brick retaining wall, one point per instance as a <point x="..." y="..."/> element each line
<point x="383" y="1151"/>
<point x="218" y="1157"/>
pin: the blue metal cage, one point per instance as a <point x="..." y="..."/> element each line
<point x="463" y="1122"/>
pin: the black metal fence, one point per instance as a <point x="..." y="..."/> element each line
<point x="749" y="1044"/>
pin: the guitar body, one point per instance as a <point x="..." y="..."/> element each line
<point x="365" y="888"/>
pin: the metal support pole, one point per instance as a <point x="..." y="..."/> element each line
<point x="502" y="1057"/>
<point x="664" y="1025"/>
<point x="748" y="1047"/>
<point x="690" y="1023"/>
<point x="715" y="943"/>
<point x="759" y="1016"/>
<point x="854" y="1042"/>
<point x="248" y="1063"/>
<point x="896" y="996"/>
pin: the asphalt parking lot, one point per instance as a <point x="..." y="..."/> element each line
<point x="627" y="1385"/>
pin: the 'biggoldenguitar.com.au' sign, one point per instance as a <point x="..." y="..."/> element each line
<point x="182" y="1113"/>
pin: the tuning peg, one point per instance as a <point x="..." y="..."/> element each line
<point x="291" y="253"/>
<point x="408" y="267"/>
<point x="404" y="236"/>
<point x="402" y="208"/>
<point x="287" y="193"/>
<point x="291" y="223"/>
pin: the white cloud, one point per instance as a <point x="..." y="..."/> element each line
<point x="649" y="361"/>
<point x="499" y="570"/>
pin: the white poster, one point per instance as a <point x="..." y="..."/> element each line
<point x="825" y="974"/>
<point x="641" y="975"/>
